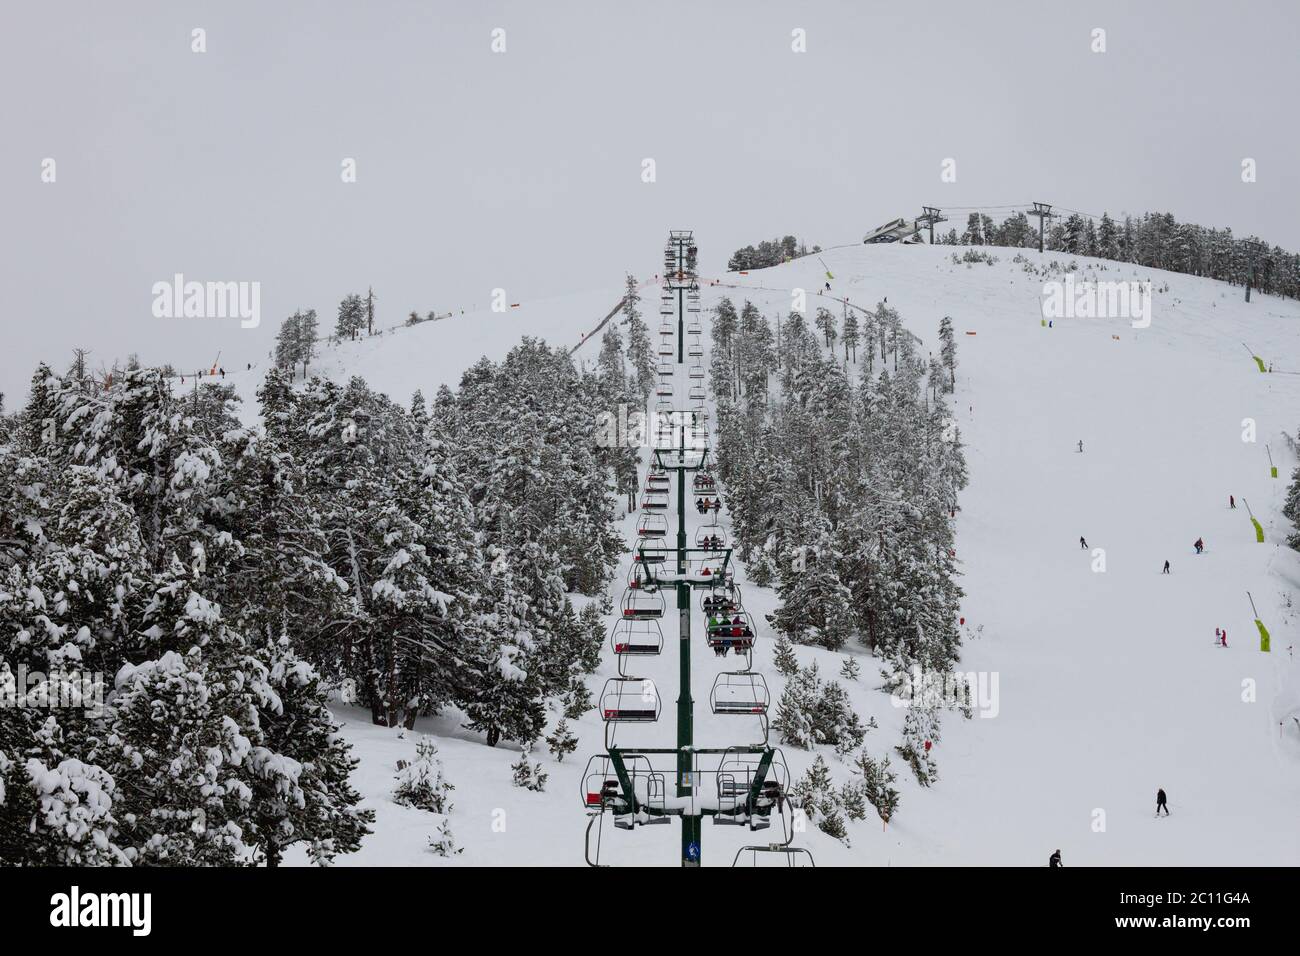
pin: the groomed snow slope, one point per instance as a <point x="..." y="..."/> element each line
<point x="1109" y="684"/>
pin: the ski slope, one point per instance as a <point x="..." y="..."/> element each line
<point x="1110" y="685"/>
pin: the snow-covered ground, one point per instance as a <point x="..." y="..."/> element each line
<point x="1109" y="683"/>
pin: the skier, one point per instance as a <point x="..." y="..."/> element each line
<point x="1166" y="570"/>
<point x="1223" y="638"/>
<point x="1080" y="446"/>
<point x="1232" y="502"/>
<point x="1055" y="859"/>
<point x="1161" y="803"/>
<point x="1083" y="544"/>
<point x="1199" y="545"/>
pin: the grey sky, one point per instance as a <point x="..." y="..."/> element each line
<point x="523" y="170"/>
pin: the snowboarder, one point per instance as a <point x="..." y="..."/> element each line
<point x="1166" y="570"/>
<point x="1199" y="545"/>
<point x="1055" y="859"/>
<point x="1161" y="803"/>
<point x="1083" y="544"/>
<point x="1232" y="502"/>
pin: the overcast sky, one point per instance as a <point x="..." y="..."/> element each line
<point x="523" y="169"/>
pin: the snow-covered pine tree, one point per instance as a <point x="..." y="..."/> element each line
<point x="307" y="330"/>
<point x="287" y="341"/>
<point x="948" y="350"/>
<point x="815" y="794"/>
<point x="300" y="765"/>
<point x="825" y="322"/>
<point x="351" y="317"/>
<point x="561" y="741"/>
<point x="877" y="785"/>
<point x="421" y="783"/>
<point x="852" y="336"/>
<point x="639" y="354"/>
<point x="527" y="774"/>
<point x="783" y="657"/>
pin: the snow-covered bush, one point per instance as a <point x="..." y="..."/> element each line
<point x="421" y="783"/>
<point x="527" y="774"/>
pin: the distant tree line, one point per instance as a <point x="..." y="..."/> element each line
<point x="1154" y="240"/>
<point x="767" y="254"/>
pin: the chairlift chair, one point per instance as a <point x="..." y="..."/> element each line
<point x="696" y="371"/>
<point x="711" y="536"/>
<point x="738" y="772"/>
<point x="600" y="790"/>
<point x="740" y="692"/>
<point x="633" y="637"/>
<point x="775" y="854"/>
<point x="629" y="700"/>
<point x="638" y="576"/>
<point x="652" y="525"/>
<point x="649" y="551"/>
<point x="732" y="630"/>
<point x="640" y="603"/>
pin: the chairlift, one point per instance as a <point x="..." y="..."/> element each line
<point x="655" y="502"/>
<point x="697" y="371"/>
<point x="703" y="481"/>
<point x="649" y="552"/>
<point x="600" y="790"/>
<point x="696" y="393"/>
<point x="739" y="801"/>
<point x="664" y="389"/>
<point x="740" y="692"/>
<point x="633" y="637"/>
<point x="652" y="525"/>
<point x="629" y="700"/>
<point x="694" y="350"/>
<point x="730" y="630"/>
<point x="638" y="576"/>
<point x="711" y="536"/>
<point x="640" y="603"/>
<point x="775" y="854"/>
